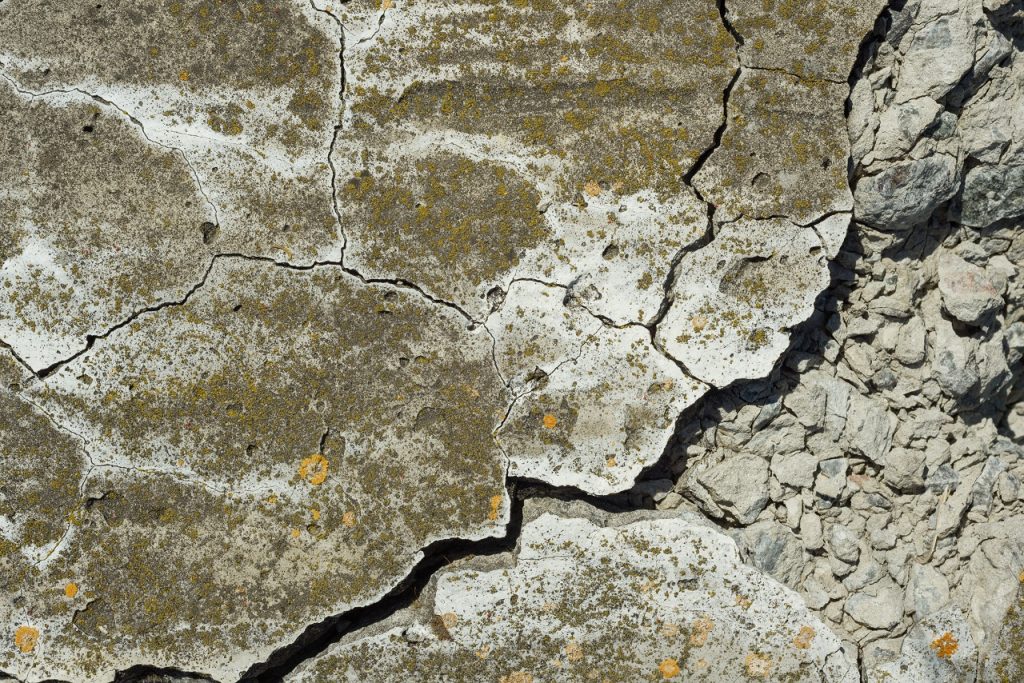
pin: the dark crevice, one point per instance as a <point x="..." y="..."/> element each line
<point x="319" y="637"/>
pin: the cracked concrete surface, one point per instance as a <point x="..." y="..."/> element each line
<point x="297" y="296"/>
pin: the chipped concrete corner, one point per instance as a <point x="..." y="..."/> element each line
<point x="299" y="297"/>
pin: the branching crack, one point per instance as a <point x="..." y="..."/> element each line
<point x="133" y="119"/>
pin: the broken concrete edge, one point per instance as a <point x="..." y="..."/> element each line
<point x="784" y="609"/>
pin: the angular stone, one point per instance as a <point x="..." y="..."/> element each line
<point x="738" y="485"/>
<point x="968" y="294"/>
<point x="647" y="599"/>
<point x="993" y="193"/>
<point x="773" y="549"/>
<point x="879" y="606"/>
<point x="907" y="193"/>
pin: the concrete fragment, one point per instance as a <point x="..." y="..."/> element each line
<point x="281" y="416"/>
<point x="734" y="301"/>
<point x="610" y="603"/>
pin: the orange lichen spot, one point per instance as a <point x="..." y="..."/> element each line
<point x="592" y="188"/>
<point x="25" y="638"/>
<point x="349" y="519"/>
<point x="296" y="533"/>
<point x="550" y="421"/>
<point x="573" y="651"/>
<point x="272" y="500"/>
<point x="1020" y="577"/>
<point x="449" y="619"/>
<point x="698" y="323"/>
<point x="71" y="590"/>
<point x="183" y="76"/>
<point x="315" y="513"/>
<point x="669" y="668"/>
<point x="386" y="5"/>
<point x="611" y="462"/>
<point x="702" y="628"/>
<point x="758" y="665"/>
<point x="314" y="469"/>
<point x="495" y="507"/>
<point x="516" y="677"/>
<point x="483" y="652"/>
<point x="670" y="630"/>
<point x="743" y="601"/>
<point x="945" y="646"/>
<point x="803" y="639"/>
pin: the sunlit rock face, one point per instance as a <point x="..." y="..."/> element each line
<point x="289" y="291"/>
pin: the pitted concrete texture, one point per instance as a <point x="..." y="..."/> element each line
<point x="290" y="291"/>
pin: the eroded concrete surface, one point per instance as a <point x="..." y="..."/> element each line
<point x="292" y="292"/>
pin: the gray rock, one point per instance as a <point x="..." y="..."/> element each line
<point x="795" y="469"/>
<point x="927" y="591"/>
<point x="870" y="428"/>
<point x="968" y="294"/>
<point x="910" y="348"/>
<point x="773" y="548"/>
<point x="906" y="193"/>
<point x="842" y="543"/>
<point x="984" y="485"/>
<point x="831" y="479"/>
<point x="811" y="532"/>
<point x="993" y="193"/>
<point x="739" y="486"/>
<point x="942" y="478"/>
<point x="879" y="606"/>
<point x="904" y="470"/>
<point x="954" y="366"/>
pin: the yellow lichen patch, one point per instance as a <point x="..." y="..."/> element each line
<point x="743" y="601"/>
<point x="516" y="677"/>
<point x="670" y="630"/>
<point x="573" y="651"/>
<point x="315" y="513"/>
<point x="699" y="323"/>
<point x="71" y="590"/>
<point x="449" y="619"/>
<point x="701" y="630"/>
<point x="349" y="519"/>
<point x="25" y="638"/>
<point x="550" y="421"/>
<point x="483" y="652"/>
<point x="296" y="533"/>
<point x="495" y="507"/>
<point x="611" y="462"/>
<point x="592" y="188"/>
<point x="669" y="668"/>
<point x="758" y="665"/>
<point x="183" y="76"/>
<point x="945" y="646"/>
<point x="803" y="639"/>
<point x="314" y="469"/>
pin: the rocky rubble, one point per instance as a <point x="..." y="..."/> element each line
<point x="882" y="464"/>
